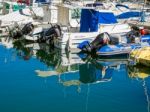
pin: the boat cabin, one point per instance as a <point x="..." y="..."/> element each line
<point x="89" y="19"/>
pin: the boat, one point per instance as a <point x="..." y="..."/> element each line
<point x="106" y="22"/>
<point x="39" y="34"/>
<point x="43" y="35"/>
<point x="133" y="13"/>
<point x="73" y="29"/>
<point x="18" y="31"/>
<point x="107" y="45"/>
<point x="18" y="17"/>
<point x="37" y="14"/>
<point x="73" y="35"/>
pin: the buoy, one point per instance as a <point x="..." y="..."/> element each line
<point x="144" y="32"/>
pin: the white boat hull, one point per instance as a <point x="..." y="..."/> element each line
<point x="70" y="41"/>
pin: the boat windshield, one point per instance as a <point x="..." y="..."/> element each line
<point x="75" y="13"/>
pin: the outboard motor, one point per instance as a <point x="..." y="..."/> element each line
<point x="101" y="40"/>
<point x="134" y="35"/>
<point x="54" y="31"/>
<point x="16" y="32"/>
<point x="27" y="28"/>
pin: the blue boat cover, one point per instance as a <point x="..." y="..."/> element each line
<point x="83" y="44"/>
<point x="90" y="19"/>
<point x="129" y="15"/>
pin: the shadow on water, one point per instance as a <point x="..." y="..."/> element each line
<point x="82" y="70"/>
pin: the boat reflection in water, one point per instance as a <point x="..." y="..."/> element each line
<point x="141" y="74"/>
<point x="84" y="76"/>
<point x="89" y="69"/>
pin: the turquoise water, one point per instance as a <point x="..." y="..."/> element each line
<point x="92" y="87"/>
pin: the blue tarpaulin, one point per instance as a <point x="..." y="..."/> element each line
<point x="129" y="15"/>
<point x="106" y="18"/>
<point x="83" y="44"/>
<point x="90" y="19"/>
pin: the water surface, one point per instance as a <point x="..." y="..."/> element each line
<point x="84" y="87"/>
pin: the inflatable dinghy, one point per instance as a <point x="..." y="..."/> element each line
<point x="101" y="46"/>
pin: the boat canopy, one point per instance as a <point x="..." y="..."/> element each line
<point x="91" y="19"/>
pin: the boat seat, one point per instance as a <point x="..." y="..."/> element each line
<point x="116" y="39"/>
